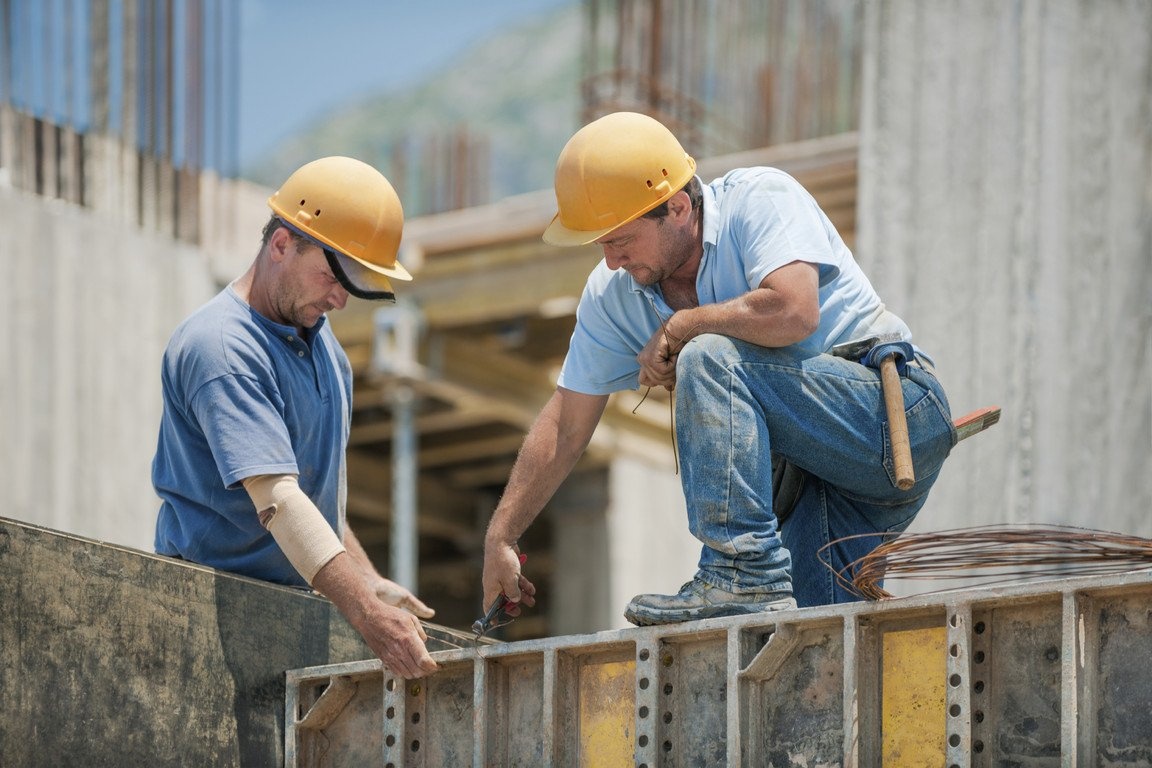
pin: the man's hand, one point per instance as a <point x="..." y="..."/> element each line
<point x="658" y="362"/>
<point x="394" y="594"/>
<point x="385" y="589"/>
<point x="393" y="634"/>
<point x="502" y="575"/>
<point x="397" y="638"/>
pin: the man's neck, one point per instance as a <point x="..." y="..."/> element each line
<point x="680" y="291"/>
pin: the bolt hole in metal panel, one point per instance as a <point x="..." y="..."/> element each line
<point x="689" y="708"/>
<point x="1016" y="688"/>
<point x="435" y="726"/>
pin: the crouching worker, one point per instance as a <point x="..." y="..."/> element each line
<point x="250" y="464"/>
<point x="732" y="293"/>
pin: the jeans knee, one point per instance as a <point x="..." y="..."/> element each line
<point x="707" y="352"/>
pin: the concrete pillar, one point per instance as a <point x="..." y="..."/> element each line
<point x="1005" y="190"/>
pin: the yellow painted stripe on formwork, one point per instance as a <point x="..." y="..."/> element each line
<point x="913" y="697"/>
<point x="607" y="713"/>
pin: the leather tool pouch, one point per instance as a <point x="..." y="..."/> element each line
<point x="787" y="485"/>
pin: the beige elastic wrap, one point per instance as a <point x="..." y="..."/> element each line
<point x="306" y="538"/>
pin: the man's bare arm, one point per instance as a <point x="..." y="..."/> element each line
<point x="393" y="634"/>
<point x="385" y="589"/>
<point x="553" y="445"/>
<point x="312" y="547"/>
<point x="783" y="310"/>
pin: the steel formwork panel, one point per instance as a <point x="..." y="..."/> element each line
<point x="1053" y="673"/>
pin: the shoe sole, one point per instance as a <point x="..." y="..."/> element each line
<point x="642" y="617"/>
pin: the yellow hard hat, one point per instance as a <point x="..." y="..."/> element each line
<point x="613" y="171"/>
<point x="349" y="207"/>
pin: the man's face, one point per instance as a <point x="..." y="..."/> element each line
<point x="650" y="250"/>
<point x="307" y="288"/>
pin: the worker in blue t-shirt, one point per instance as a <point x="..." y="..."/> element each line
<point x="731" y="293"/>
<point x="250" y="463"/>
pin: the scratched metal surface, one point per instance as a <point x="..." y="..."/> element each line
<point x="1037" y="675"/>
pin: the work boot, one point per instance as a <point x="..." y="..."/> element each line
<point x="697" y="600"/>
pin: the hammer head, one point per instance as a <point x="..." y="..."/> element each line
<point x="870" y="351"/>
<point x="854" y="350"/>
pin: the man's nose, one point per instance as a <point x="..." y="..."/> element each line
<point x="613" y="258"/>
<point x="338" y="297"/>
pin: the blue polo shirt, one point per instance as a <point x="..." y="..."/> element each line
<point x="756" y="220"/>
<point x="246" y="396"/>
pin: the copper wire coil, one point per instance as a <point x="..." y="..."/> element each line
<point x="993" y="554"/>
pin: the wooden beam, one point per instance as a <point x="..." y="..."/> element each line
<point x="369" y="507"/>
<point x="429" y="424"/>
<point x="471" y="450"/>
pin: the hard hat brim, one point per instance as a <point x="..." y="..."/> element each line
<point x="359" y="280"/>
<point x="558" y="234"/>
<point x="395" y="270"/>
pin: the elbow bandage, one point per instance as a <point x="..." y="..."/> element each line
<point x="306" y="538"/>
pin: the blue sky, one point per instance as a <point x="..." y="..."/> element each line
<point x="300" y="59"/>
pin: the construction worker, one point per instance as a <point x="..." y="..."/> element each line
<point x="250" y="465"/>
<point x="731" y="294"/>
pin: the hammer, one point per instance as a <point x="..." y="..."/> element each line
<point x="883" y="352"/>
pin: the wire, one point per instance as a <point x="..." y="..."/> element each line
<point x="992" y="554"/>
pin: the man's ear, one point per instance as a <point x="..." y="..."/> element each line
<point x="680" y="206"/>
<point x="279" y="243"/>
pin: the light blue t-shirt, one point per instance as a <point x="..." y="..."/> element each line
<point x="756" y="220"/>
<point x="245" y="396"/>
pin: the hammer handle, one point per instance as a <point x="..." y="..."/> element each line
<point x="897" y="423"/>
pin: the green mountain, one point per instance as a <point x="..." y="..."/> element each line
<point x="515" y="100"/>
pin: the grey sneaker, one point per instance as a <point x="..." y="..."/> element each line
<point x="697" y="600"/>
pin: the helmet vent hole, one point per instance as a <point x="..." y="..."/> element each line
<point x="664" y="171"/>
<point x="317" y="212"/>
<point x="302" y="201"/>
<point x="649" y="183"/>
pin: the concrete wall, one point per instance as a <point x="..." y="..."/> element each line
<point x="651" y="549"/>
<point x="110" y="657"/>
<point x="91" y="303"/>
<point x="1006" y="213"/>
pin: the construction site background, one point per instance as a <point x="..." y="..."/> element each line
<point x="1001" y="202"/>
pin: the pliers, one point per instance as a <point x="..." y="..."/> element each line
<point x="496" y="615"/>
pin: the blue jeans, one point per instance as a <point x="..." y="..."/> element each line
<point x="738" y="403"/>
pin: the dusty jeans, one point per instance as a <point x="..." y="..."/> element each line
<point x="737" y="403"/>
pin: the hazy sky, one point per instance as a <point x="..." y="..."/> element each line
<point x="299" y="59"/>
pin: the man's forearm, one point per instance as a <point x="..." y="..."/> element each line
<point x="784" y="310"/>
<point x="393" y="634"/>
<point x="550" y="451"/>
<point x="342" y="582"/>
<point x="356" y="550"/>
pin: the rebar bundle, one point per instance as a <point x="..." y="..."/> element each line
<point x="992" y="554"/>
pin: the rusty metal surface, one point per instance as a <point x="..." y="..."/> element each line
<point x="794" y="706"/>
<point x="1123" y="707"/>
<point x="1016" y="675"/>
<point x="1051" y="673"/>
